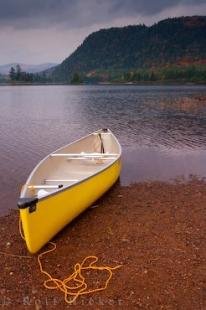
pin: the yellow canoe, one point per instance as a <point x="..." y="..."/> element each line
<point x="65" y="183"/>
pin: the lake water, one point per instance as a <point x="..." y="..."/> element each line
<point x="161" y="138"/>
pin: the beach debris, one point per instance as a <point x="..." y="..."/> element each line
<point x="94" y="206"/>
<point x="110" y="232"/>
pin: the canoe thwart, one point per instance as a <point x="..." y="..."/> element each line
<point x="45" y="186"/>
<point x="82" y="155"/>
<point x="91" y="158"/>
<point x="62" y="180"/>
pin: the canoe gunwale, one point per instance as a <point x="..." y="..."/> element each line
<point x="34" y="200"/>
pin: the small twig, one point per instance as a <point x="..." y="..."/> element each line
<point x="13" y="255"/>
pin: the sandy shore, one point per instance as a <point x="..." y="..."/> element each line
<point x="156" y="231"/>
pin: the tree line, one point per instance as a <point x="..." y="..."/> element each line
<point x="173" y="73"/>
<point x="16" y="74"/>
<point x="190" y="73"/>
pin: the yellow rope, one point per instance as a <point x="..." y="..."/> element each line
<point x="80" y="287"/>
<point x="76" y="277"/>
<point x="20" y="229"/>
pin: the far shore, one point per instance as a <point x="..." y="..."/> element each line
<point x="155" y="230"/>
<point x="141" y="83"/>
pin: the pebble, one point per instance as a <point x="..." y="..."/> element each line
<point x="34" y="291"/>
<point x="125" y="240"/>
<point x="95" y="206"/>
<point x="8" y="244"/>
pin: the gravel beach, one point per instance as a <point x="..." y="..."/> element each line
<point x="155" y="230"/>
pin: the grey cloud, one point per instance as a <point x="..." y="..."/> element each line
<point x="148" y="7"/>
<point x="37" y="31"/>
<point x="78" y="13"/>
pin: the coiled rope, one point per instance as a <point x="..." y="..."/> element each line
<point x="79" y="287"/>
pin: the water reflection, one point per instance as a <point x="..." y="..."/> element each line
<point x="155" y="124"/>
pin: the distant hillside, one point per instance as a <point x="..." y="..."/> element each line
<point x="4" y="69"/>
<point x="171" y="42"/>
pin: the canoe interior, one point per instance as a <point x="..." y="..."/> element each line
<point x="57" y="172"/>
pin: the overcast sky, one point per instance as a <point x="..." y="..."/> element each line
<point x="38" y="31"/>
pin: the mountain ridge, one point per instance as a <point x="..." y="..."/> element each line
<point x="174" y="41"/>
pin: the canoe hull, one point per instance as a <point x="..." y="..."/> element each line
<point x="57" y="210"/>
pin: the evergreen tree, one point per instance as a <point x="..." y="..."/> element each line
<point x="12" y="74"/>
<point x="18" y="73"/>
<point x="76" y="79"/>
<point x="152" y="76"/>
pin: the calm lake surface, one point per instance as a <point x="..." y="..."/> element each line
<point x="161" y="137"/>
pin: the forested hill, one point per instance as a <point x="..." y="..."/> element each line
<point x="105" y="53"/>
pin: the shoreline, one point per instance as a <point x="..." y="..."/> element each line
<point x="143" y="83"/>
<point x="155" y="230"/>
